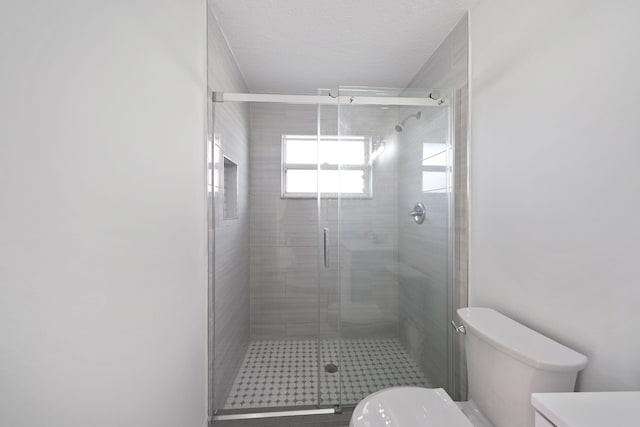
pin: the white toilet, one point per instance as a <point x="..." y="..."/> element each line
<point x="506" y="362"/>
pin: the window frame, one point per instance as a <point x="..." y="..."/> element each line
<point x="365" y="168"/>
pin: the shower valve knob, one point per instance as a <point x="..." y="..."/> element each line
<point x="418" y="213"/>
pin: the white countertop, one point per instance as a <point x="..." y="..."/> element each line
<point x="610" y="409"/>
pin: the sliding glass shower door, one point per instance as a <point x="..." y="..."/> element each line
<point x="394" y="293"/>
<point x="323" y="288"/>
<point x="272" y="244"/>
<point x="332" y="153"/>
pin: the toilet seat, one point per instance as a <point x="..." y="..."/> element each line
<point x="409" y="407"/>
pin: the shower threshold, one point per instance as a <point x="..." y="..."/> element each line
<point x="336" y="410"/>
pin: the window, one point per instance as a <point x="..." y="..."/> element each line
<point x="435" y="166"/>
<point x="344" y="166"/>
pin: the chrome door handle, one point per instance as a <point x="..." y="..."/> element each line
<point x="326" y="250"/>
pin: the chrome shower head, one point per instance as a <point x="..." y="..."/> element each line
<point x="400" y="126"/>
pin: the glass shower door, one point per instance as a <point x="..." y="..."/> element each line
<point x="394" y="272"/>
<point x="347" y="294"/>
<point x="328" y="162"/>
<point x="265" y="283"/>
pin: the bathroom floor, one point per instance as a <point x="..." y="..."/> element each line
<point x="284" y="373"/>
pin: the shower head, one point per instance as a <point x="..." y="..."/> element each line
<point x="400" y="126"/>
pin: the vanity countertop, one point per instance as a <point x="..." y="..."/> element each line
<point x="610" y="409"/>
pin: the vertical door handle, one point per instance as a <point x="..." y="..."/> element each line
<point x="326" y="250"/>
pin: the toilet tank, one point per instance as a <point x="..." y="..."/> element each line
<point x="507" y="361"/>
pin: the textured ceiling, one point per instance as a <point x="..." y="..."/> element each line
<point x="297" y="46"/>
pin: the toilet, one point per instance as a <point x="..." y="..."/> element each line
<point x="506" y="362"/>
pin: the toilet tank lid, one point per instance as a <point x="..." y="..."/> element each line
<point x="520" y="342"/>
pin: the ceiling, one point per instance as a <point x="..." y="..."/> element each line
<point x="298" y="46"/>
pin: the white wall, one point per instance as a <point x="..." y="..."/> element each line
<point x="102" y="218"/>
<point x="555" y="143"/>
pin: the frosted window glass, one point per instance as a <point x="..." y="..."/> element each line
<point x="301" y="151"/>
<point x="432" y="148"/>
<point x="433" y="180"/>
<point x="437" y="160"/>
<point x="301" y="181"/>
<point x="333" y="181"/>
<point x="344" y="152"/>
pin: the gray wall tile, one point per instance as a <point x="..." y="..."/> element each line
<point x="285" y="302"/>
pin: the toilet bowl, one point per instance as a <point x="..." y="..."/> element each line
<point x="409" y="406"/>
<point x="506" y="362"/>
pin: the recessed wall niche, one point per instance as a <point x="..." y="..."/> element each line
<point x="230" y="189"/>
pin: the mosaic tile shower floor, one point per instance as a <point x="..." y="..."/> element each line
<point x="284" y="373"/>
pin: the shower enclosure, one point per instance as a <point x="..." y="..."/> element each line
<point x="347" y="204"/>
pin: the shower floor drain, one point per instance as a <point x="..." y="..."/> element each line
<point x="331" y="368"/>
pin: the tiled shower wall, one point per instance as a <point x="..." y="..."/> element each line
<point x="423" y="250"/>
<point x="284" y="252"/>
<point x="369" y="233"/>
<point x="229" y="301"/>
<point x="285" y="268"/>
